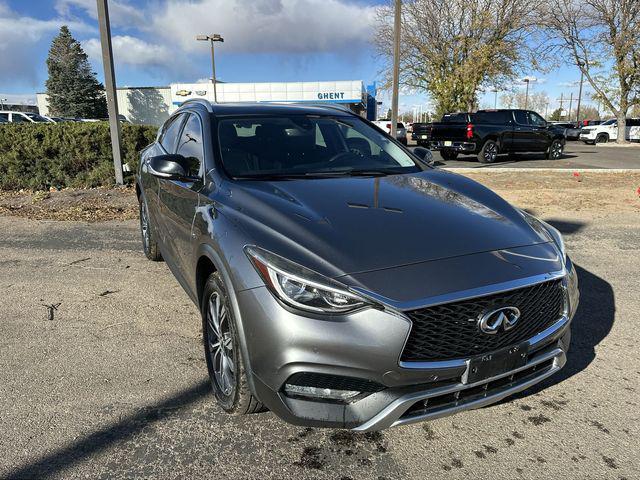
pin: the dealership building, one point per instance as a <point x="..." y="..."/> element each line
<point x="152" y="105"/>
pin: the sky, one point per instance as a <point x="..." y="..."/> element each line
<point x="265" y="41"/>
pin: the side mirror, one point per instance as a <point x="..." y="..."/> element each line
<point x="170" y="167"/>
<point x="423" y="153"/>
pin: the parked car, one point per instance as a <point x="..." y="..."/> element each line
<point x="401" y="131"/>
<point x="23" y="117"/>
<point x="421" y="133"/>
<point x="299" y="232"/>
<point x="571" y="131"/>
<point x="488" y="133"/>
<point x="608" y="131"/>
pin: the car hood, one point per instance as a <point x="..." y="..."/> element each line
<point x="340" y="226"/>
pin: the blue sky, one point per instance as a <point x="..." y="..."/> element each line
<point x="265" y="40"/>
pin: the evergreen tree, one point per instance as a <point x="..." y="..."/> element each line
<point x="72" y="87"/>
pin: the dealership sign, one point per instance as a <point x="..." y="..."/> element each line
<point x="330" y="95"/>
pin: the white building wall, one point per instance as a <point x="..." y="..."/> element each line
<point x="152" y="105"/>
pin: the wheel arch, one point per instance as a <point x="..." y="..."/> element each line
<point x="210" y="261"/>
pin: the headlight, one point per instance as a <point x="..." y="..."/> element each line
<point x="300" y="287"/>
<point x="551" y="231"/>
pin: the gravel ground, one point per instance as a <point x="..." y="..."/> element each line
<point x="115" y="386"/>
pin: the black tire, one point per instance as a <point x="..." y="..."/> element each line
<point x="448" y="154"/>
<point x="228" y="380"/>
<point x="148" y="233"/>
<point x="588" y="142"/>
<point x="602" y="138"/>
<point x="554" y="152"/>
<point x="489" y="152"/>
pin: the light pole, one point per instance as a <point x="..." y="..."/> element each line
<point x="110" y="87"/>
<point x="495" y="100"/>
<point x="214" y="37"/>
<point x="526" y="96"/>
<point x="396" y="69"/>
<point x="580" y="65"/>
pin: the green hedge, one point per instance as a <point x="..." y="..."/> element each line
<point x="39" y="156"/>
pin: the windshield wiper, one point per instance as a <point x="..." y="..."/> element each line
<point x="320" y="174"/>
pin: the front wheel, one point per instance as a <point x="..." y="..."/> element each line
<point x="488" y="152"/>
<point x="222" y="350"/>
<point x="554" y="152"/>
<point x="602" y="138"/>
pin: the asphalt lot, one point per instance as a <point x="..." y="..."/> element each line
<point x="576" y="155"/>
<point x="116" y="385"/>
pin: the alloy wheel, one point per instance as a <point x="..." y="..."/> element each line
<point x="490" y="152"/>
<point x="556" y="150"/>
<point x="144" y="224"/>
<point x="220" y="345"/>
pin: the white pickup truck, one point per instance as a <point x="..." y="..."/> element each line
<point x="609" y="131"/>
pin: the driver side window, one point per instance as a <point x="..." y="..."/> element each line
<point x="190" y="144"/>
<point x="536" y="120"/>
<point x="170" y="133"/>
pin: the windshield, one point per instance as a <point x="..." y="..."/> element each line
<point x="307" y="146"/>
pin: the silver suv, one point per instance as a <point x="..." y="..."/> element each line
<point x="342" y="281"/>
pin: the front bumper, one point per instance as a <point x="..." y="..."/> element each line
<point x="367" y="345"/>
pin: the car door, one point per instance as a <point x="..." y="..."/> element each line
<point x="166" y="143"/>
<point x="179" y="198"/>
<point x="522" y="132"/>
<point x="541" y="136"/>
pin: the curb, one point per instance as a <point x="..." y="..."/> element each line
<point x="542" y="169"/>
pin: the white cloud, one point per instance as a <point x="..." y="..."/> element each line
<point x="20" y="39"/>
<point x="266" y="26"/>
<point x="129" y="50"/>
<point x="121" y="13"/>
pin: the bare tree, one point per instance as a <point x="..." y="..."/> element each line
<point x="537" y="101"/>
<point x="601" y="37"/>
<point x="450" y="48"/>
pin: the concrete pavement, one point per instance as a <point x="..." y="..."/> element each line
<point x="116" y="385"/>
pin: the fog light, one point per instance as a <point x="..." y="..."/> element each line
<point x="322" y="393"/>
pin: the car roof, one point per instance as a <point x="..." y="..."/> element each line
<point x="250" y="108"/>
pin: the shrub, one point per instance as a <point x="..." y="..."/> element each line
<point x="39" y="156"/>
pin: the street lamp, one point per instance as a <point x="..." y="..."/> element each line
<point x="581" y="66"/>
<point x="214" y="37"/>
<point x="526" y="96"/>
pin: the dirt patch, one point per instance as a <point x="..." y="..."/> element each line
<point x="548" y="193"/>
<point x="557" y="192"/>
<point x="90" y="205"/>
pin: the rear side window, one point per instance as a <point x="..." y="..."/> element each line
<point x="633" y="122"/>
<point x="17" y="118"/>
<point x="4" y="117"/>
<point x="454" y="118"/>
<point x="190" y="144"/>
<point x="521" y="117"/>
<point x="492" y="118"/>
<point x="170" y="133"/>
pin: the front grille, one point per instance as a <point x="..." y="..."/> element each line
<point x="448" y="331"/>
<point x="448" y="400"/>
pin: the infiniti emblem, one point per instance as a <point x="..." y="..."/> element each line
<point x="504" y="318"/>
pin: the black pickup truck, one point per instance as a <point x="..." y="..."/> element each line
<point x="487" y="133"/>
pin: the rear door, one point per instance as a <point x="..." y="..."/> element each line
<point x="166" y="143"/>
<point x="179" y="199"/>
